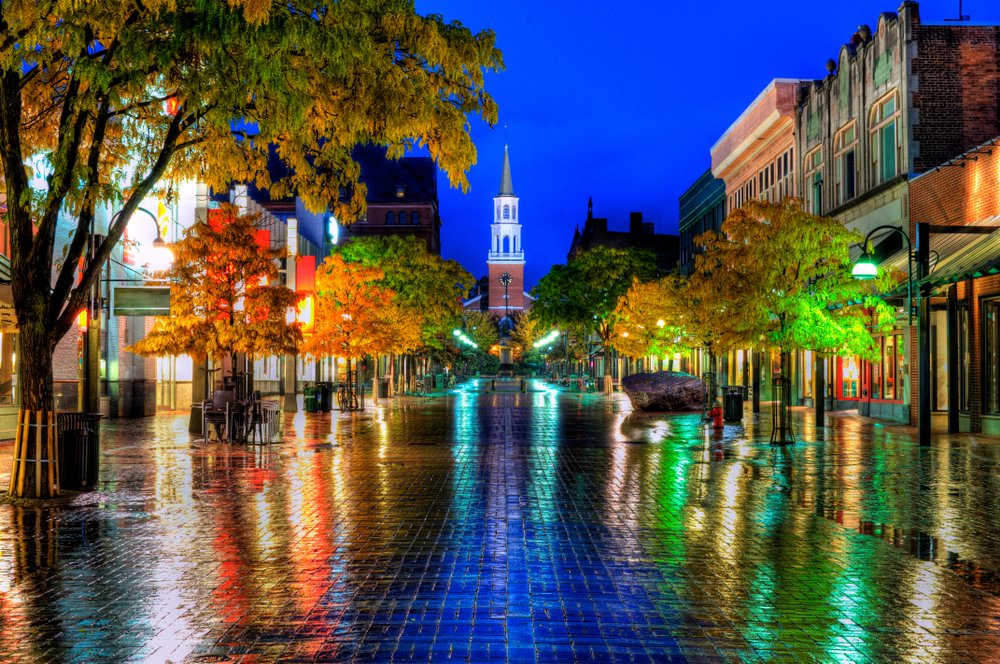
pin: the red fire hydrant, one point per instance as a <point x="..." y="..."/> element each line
<point x="717" y="415"/>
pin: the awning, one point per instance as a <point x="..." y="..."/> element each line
<point x="953" y="256"/>
<point x="979" y="257"/>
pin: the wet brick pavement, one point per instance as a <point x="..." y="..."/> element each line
<point x="539" y="527"/>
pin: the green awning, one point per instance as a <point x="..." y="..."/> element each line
<point x="980" y="257"/>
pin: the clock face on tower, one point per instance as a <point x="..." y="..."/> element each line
<point x="506" y="279"/>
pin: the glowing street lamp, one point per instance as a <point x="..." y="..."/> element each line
<point x="865" y="268"/>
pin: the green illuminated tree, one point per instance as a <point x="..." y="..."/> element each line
<point x="584" y="294"/>
<point x="783" y="276"/>
<point x="83" y="88"/>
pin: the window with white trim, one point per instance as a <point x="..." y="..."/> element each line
<point x="814" y="181"/>
<point x="886" y="145"/>
<point x="845" y="164"/>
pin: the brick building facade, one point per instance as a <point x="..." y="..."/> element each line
<point x="963" y="191"/>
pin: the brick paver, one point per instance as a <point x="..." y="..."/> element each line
<point x="482" y="527"/>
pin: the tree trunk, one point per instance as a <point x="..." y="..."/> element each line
<point x="35" y="469"/>
<point x="608" y="387"/>
<point x="375" y="382"/>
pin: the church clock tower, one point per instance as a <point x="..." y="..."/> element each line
<point x="506" y="256"/>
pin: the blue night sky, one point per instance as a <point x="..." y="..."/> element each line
<point x="624" y="106"/>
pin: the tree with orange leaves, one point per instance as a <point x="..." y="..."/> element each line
<point x="357" y="315"/>
<point x="224" y="296"/>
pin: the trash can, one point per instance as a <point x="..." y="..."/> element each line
<point x="383" y="388"/>
<point x="324" y="396"/>
<point x="429" y="383"/>
<point x="310" y="398"/>
<point x="440" y="382"/>
<point x="733" y="406"/>
<point x="79" y="450"/>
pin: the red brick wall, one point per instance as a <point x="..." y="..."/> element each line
<point x="515" y="290"/>
<point x="958" y="195"/>
<point x="958" y="90"/>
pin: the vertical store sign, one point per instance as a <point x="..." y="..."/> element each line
<point x="305" y="285"/>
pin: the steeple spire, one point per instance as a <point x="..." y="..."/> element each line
<point x="506" y="188"/>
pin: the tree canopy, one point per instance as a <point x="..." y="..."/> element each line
<point x="584" y="294"/>
<point x="356" y="314"/>
<point x="783" y="277"/>
<point x="427" y="289"/>
<point x="224" y="296"/>
<point x="101" y="102"/>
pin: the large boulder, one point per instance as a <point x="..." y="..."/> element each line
<point x="668" y="391"/>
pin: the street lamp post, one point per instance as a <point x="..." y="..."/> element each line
<point x="163" y="257"/>
<point x="866" y="269"/>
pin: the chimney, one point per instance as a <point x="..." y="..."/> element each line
<point x="635" y="223"/>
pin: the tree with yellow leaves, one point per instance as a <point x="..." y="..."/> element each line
<point x="102" y="101"/>
<point x="224" y="295"/>
<point x="782" y="276"/>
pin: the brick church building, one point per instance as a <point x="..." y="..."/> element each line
<point x="502" y="290"/>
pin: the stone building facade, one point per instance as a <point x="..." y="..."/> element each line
<point x="898" y="100"/>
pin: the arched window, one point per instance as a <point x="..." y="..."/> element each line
<point x="415" y="218"/>
<point x="886" y="146"/>
<point x="506" y="244"/>
<point x="814" y="181"/>
<point x="513" y="212"/>
<point x="402" y="218"/>
<point x="390" y="218"/>
<point x="506" y="212"/>
<point x="498" y="213"/>
<point x="845" y="170"/>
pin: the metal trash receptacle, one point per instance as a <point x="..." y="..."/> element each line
<point x="310" y="399"/>
<point x="383" y="388"/>
<point x="79" y="450"/>
<point x="733" y="406"/>
<point x="324" y="397"/>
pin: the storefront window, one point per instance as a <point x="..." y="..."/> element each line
<point x="900" y="365"/>
<point x="877" y="371"/>
<point x="889" y="370"/>
<point x="8" y="368"/>
<point x="991" y="356"/>
<point x="963" y="353"/>
<point x="850" y="377"/>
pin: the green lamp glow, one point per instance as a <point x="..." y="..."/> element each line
<point x="865" y="268"/>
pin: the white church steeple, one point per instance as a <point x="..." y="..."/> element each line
<point x="506" y="236"/>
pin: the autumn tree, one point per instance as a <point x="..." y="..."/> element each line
<point x="584" y="294"/>
<point x="677" y="313"/>
<point x="782" y="276"/>
<point x="428" y="289"/>
<point x="355" y="314"/>
<point x="102" y="101"/>
<point x="224" y="295"/>
<point x="644" y="322"/>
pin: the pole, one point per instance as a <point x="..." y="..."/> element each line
<point x="756" y="380"/>
<point x="953" y="369"/>
<point x="290" y="404"/>
<point x="923" y="338"/>
<point x="819" y="389"/>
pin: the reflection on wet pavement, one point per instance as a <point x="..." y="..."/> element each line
<point x="546" y="526"/>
